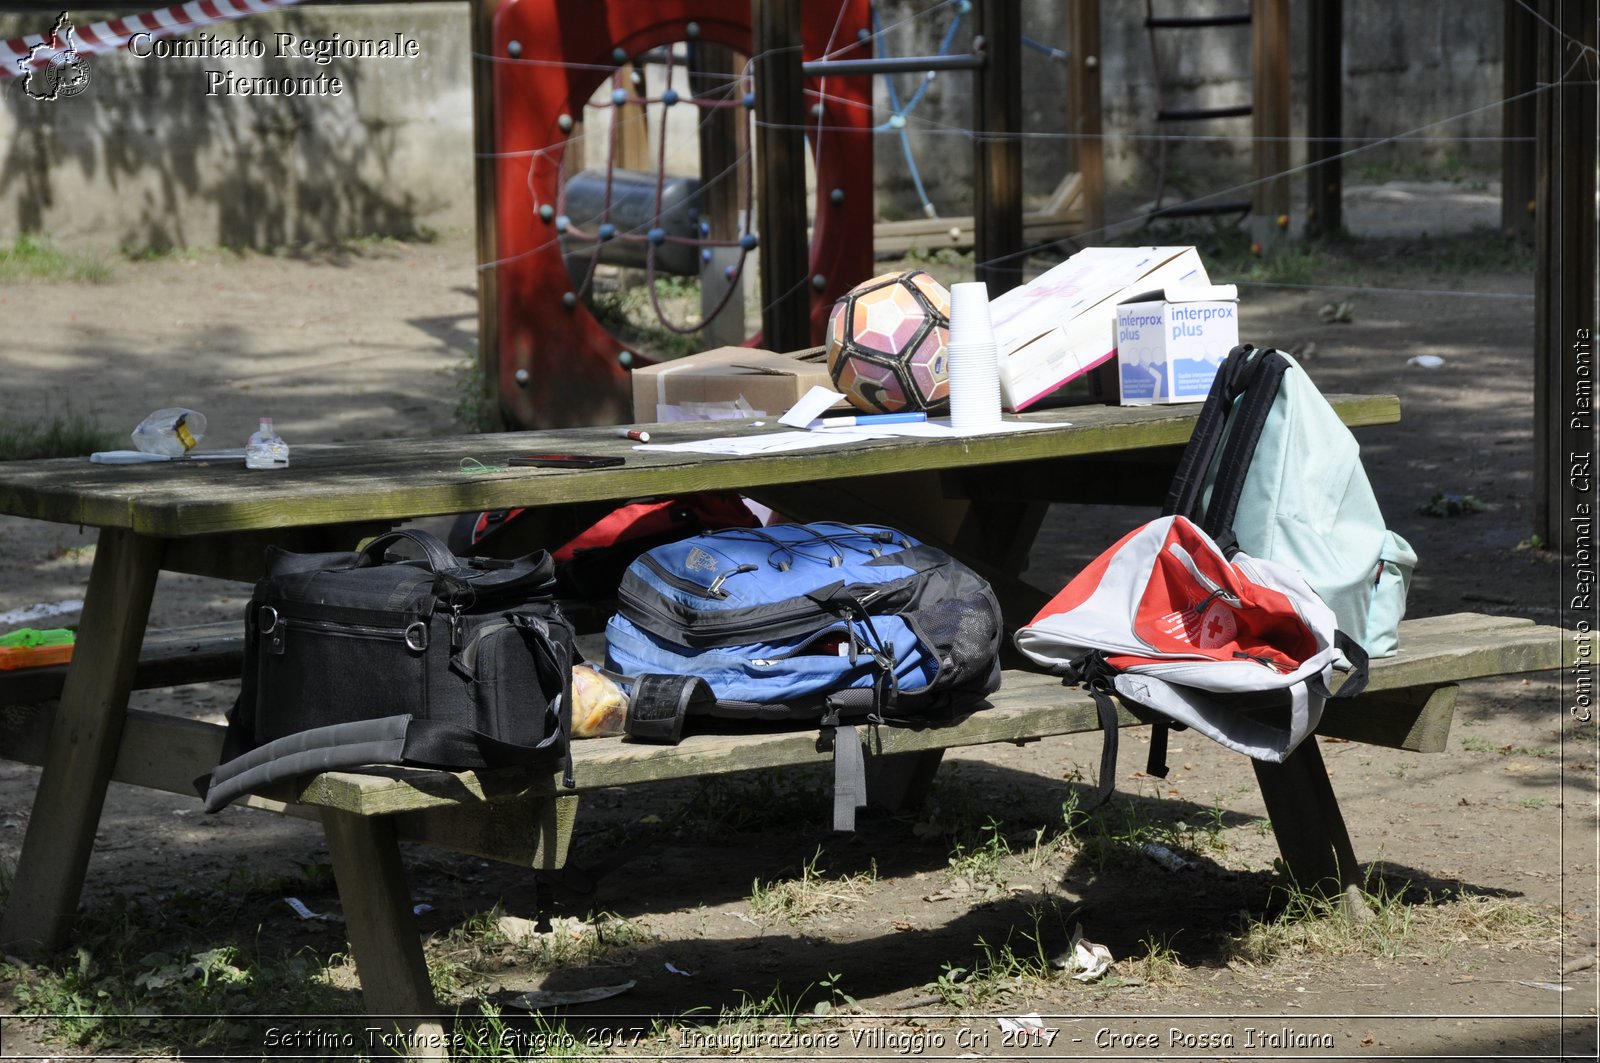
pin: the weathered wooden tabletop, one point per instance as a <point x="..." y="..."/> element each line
<point x="395" y="480"/>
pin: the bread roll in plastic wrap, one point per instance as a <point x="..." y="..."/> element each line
<point x="599" y="707"/>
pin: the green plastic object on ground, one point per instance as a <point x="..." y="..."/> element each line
<point x="29" y="637"/>
<point x="31" y="647"/>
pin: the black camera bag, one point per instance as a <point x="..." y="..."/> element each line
<point x="358" y="658"/>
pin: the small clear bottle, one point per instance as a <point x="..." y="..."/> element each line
<point x="266" y="450"/>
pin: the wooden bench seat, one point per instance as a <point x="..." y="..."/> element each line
<point x="1437" y="652"/>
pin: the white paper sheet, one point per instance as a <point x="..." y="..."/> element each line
<point x="782" y="442"/>
<point x="810" y="407"/>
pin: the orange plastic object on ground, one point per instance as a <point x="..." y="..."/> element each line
<point x="33" y="656"/>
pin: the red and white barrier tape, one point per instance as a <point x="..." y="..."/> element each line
<point x="103" y="37"/>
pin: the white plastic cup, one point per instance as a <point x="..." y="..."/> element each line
<point x="974" y="364"/>
<point x="969" y="314"/>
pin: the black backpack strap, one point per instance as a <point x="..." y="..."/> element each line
<point x="386" y="740"/>
<point x="849" y="777"/>
<point x="1107" y="711"/>
<point x="429" y="743"/>
<point x="1243" y="435"/>
<point x="1096" y="675"/>
<point x="1356" y="681"/>
<point x="1189" y="481"/>
<point x="1156" y="763"/>
<point x="658" y="705"/>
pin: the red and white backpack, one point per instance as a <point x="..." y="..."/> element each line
<point x="1241" y="649"/>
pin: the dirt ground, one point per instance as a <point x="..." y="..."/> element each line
<point x="1492" y="843"/>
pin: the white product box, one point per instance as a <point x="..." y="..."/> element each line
<point x="1169" y="347"/>
<point x="1063" y="323"/>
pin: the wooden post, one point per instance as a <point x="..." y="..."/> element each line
<point x="1325" y="118"/>
<point x="1306" y="820"/>
<point x="633" y="121"/>
<point x="1519" y="121"/>
<point x="483" y="172"/>
<point x="1269" y="121"/>
<point x="997" y="162"/>
<point x="1564" y="285"/>
<point x="382" y="929"/>
<point x="1086" y="151"/>
<point x="84" y="741"/>
<point x="781" y="173"/>
<point x="712" y="72"/>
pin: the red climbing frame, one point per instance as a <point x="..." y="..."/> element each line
<point x="557" y="365"/>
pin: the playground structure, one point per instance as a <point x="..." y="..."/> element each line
<point x="556" y="364"/>
<point x="546" y="358"/>
<point x="548" y="361"/>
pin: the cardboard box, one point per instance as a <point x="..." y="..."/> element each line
<point x="1169" y="348"/>
<point x="1063" y="323"/>
<point x="713" y="382"/>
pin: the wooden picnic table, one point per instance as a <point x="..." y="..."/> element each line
<point x="215" y="517"/>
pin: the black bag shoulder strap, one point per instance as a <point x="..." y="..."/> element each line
<point x="531" y="573"/>
<point x="439" y="557"/>
<point x="1188" y="483"/>
<point x="1244" y="434"/>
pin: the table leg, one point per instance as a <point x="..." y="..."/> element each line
<point x="899" y="782"/>
<point x="1310" y="829"/>
<point x="383" y="930"/>
<point x="83" y="742"/>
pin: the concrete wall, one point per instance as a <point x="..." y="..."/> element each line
<point x="144" y="158"/>
<point x="1406" y="65"/>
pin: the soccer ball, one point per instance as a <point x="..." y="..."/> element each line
<point x="886" y="343"/>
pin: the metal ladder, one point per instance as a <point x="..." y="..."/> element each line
<point x="1154" y="25"/>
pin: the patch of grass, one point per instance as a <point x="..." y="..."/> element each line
<point x="1158" y="966"/>
<point x="984" y="861"/>
<point x="1477" y="744"/>
<point x="492" y="1034"/>
<point x="946" y="264"/>
<point x="1017" y="967"/>
<point x="1395" y="921"/>
<point x="754" y="1014"/>
<point x="1343" y="261"/>
<point x="813" y="893"/>
<point x="475" y="411"/>
<point x="33" y="259"/>
<point x="62" y="436"/>
<point x="461" y="961"/>
<point x="158" y="977"/>
<point x="629" y="315"/>
<point x="1312" y="925"/>
<point x="1119" y="832"/>
<point x="1484" y="920"/>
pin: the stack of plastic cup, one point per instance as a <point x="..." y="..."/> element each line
<point x="973" y="360"/>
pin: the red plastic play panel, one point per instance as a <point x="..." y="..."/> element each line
<point x="550" y="57"/>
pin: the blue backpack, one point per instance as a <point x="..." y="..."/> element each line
<point x="829" y="622"/>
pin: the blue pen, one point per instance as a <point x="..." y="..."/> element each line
<point x="866" y="420"/>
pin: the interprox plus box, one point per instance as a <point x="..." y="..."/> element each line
<point x="1063" y="323"/>
<point x="1170" y="344"/>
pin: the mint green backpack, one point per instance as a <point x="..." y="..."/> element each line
<point x="1271" y="468"/>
